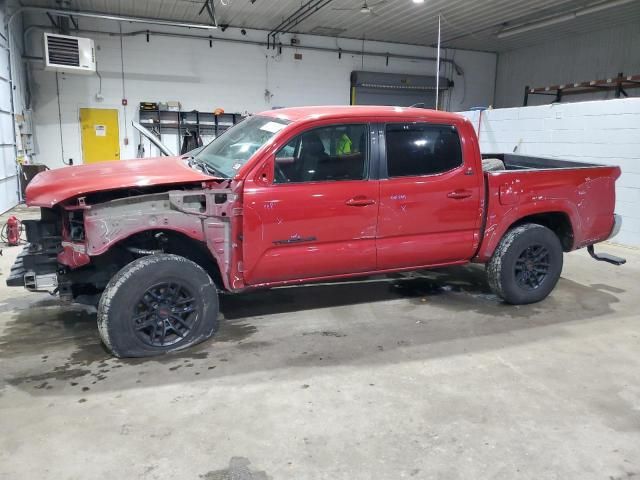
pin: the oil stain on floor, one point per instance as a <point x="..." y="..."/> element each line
<point x="65" y="351"/>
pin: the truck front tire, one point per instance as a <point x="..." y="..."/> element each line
<point x="157" y="304"/>
<point x="526" y="265"/>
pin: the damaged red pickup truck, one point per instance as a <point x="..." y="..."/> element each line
<point x="299" y="195"/>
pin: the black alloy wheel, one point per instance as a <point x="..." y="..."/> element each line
<point x="165" y="314"/>
<point x="157" y="304"/>
<point x="532" y="266"/>
<point x="526" y="265"/>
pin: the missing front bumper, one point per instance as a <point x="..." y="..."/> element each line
<point x="35" y="271"/>
<point x="41" y="283"/>
<point x="16" y="276"/>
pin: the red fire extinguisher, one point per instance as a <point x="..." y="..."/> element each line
<point x="13" y="231"/>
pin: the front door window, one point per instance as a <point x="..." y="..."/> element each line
<point x="338" y="152"/>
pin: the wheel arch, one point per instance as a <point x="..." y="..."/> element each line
<point x="177" y="243"/>
<point x="558" y="222"/>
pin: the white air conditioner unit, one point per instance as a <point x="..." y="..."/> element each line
<point x="63" y="53"/>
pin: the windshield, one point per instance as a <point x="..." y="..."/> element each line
<point x="231" y="150"/>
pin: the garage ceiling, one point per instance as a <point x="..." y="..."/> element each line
<point x="467" y="24"/>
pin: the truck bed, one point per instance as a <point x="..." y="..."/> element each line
<point x="527" y="186"/>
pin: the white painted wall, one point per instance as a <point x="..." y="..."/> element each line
<point x="9" y="186"/>
<point x="605" y="132"/>
<point x="231" y="76"/>
<point x="593" y="56"/>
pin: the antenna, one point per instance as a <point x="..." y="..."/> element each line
<point x="438" y="67"/>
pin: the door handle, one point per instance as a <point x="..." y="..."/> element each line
<point x="360" y="201"/>
<point x="459" y="194"/>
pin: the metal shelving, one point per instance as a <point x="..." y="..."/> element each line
<point x="177" y="122"/>
<point x="619" y="84"/>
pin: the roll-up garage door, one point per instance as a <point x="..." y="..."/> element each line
<point x="8" y="172"/>
<point x="371" y="88"/>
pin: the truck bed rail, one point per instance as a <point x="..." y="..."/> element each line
<point x="513" y="161"/>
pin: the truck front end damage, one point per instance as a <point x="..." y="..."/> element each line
<point x="36" y="268"/>
<point x="76" y="248"/>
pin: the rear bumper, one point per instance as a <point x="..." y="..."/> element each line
<point x="617" y="225"/>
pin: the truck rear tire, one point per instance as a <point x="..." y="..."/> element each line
<point x="526" y="265"/>
<point x="157" y="304"/>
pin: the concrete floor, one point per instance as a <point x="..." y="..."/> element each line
<point x="427" y="377"/>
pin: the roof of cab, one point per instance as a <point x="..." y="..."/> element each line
<point x="296" y="114"/>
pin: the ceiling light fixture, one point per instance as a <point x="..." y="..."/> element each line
<point x="418" y="1"/>
<point x="560" y="18"/>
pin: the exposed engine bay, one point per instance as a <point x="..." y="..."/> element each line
<point x="76" y="248"/>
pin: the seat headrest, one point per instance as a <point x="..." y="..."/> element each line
<point x="311" y="144"/>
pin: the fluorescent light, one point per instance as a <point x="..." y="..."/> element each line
<point x="560" y="19"/>
<point x="418" y="1"/>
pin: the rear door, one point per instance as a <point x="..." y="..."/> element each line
<point x="430" y="199"/>
<point x="313" y="211"/>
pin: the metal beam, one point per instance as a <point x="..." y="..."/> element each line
<point x="210" y="7"/>
<point x="301" y="14"/>
<point x="108" y="16"/>
<point x="53" y="21"/>
<point x="75" y="22"/>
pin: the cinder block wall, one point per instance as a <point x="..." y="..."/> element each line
<point x="605" y="131"/>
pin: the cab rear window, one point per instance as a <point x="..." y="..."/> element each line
<point x="415" y="149"/>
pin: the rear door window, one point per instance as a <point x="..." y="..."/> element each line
<point x="415" y="149"/>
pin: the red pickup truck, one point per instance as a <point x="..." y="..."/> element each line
<point x="300" y="195"/>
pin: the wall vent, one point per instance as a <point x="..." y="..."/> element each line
<point x="64" y="53"/>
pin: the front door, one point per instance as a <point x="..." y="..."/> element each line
<point x="100" y="135"/>
<point x="430" y="199"/>
<point x="316" y="214"/>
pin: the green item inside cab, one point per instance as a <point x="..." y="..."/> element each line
<point x="344" y="145"/>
